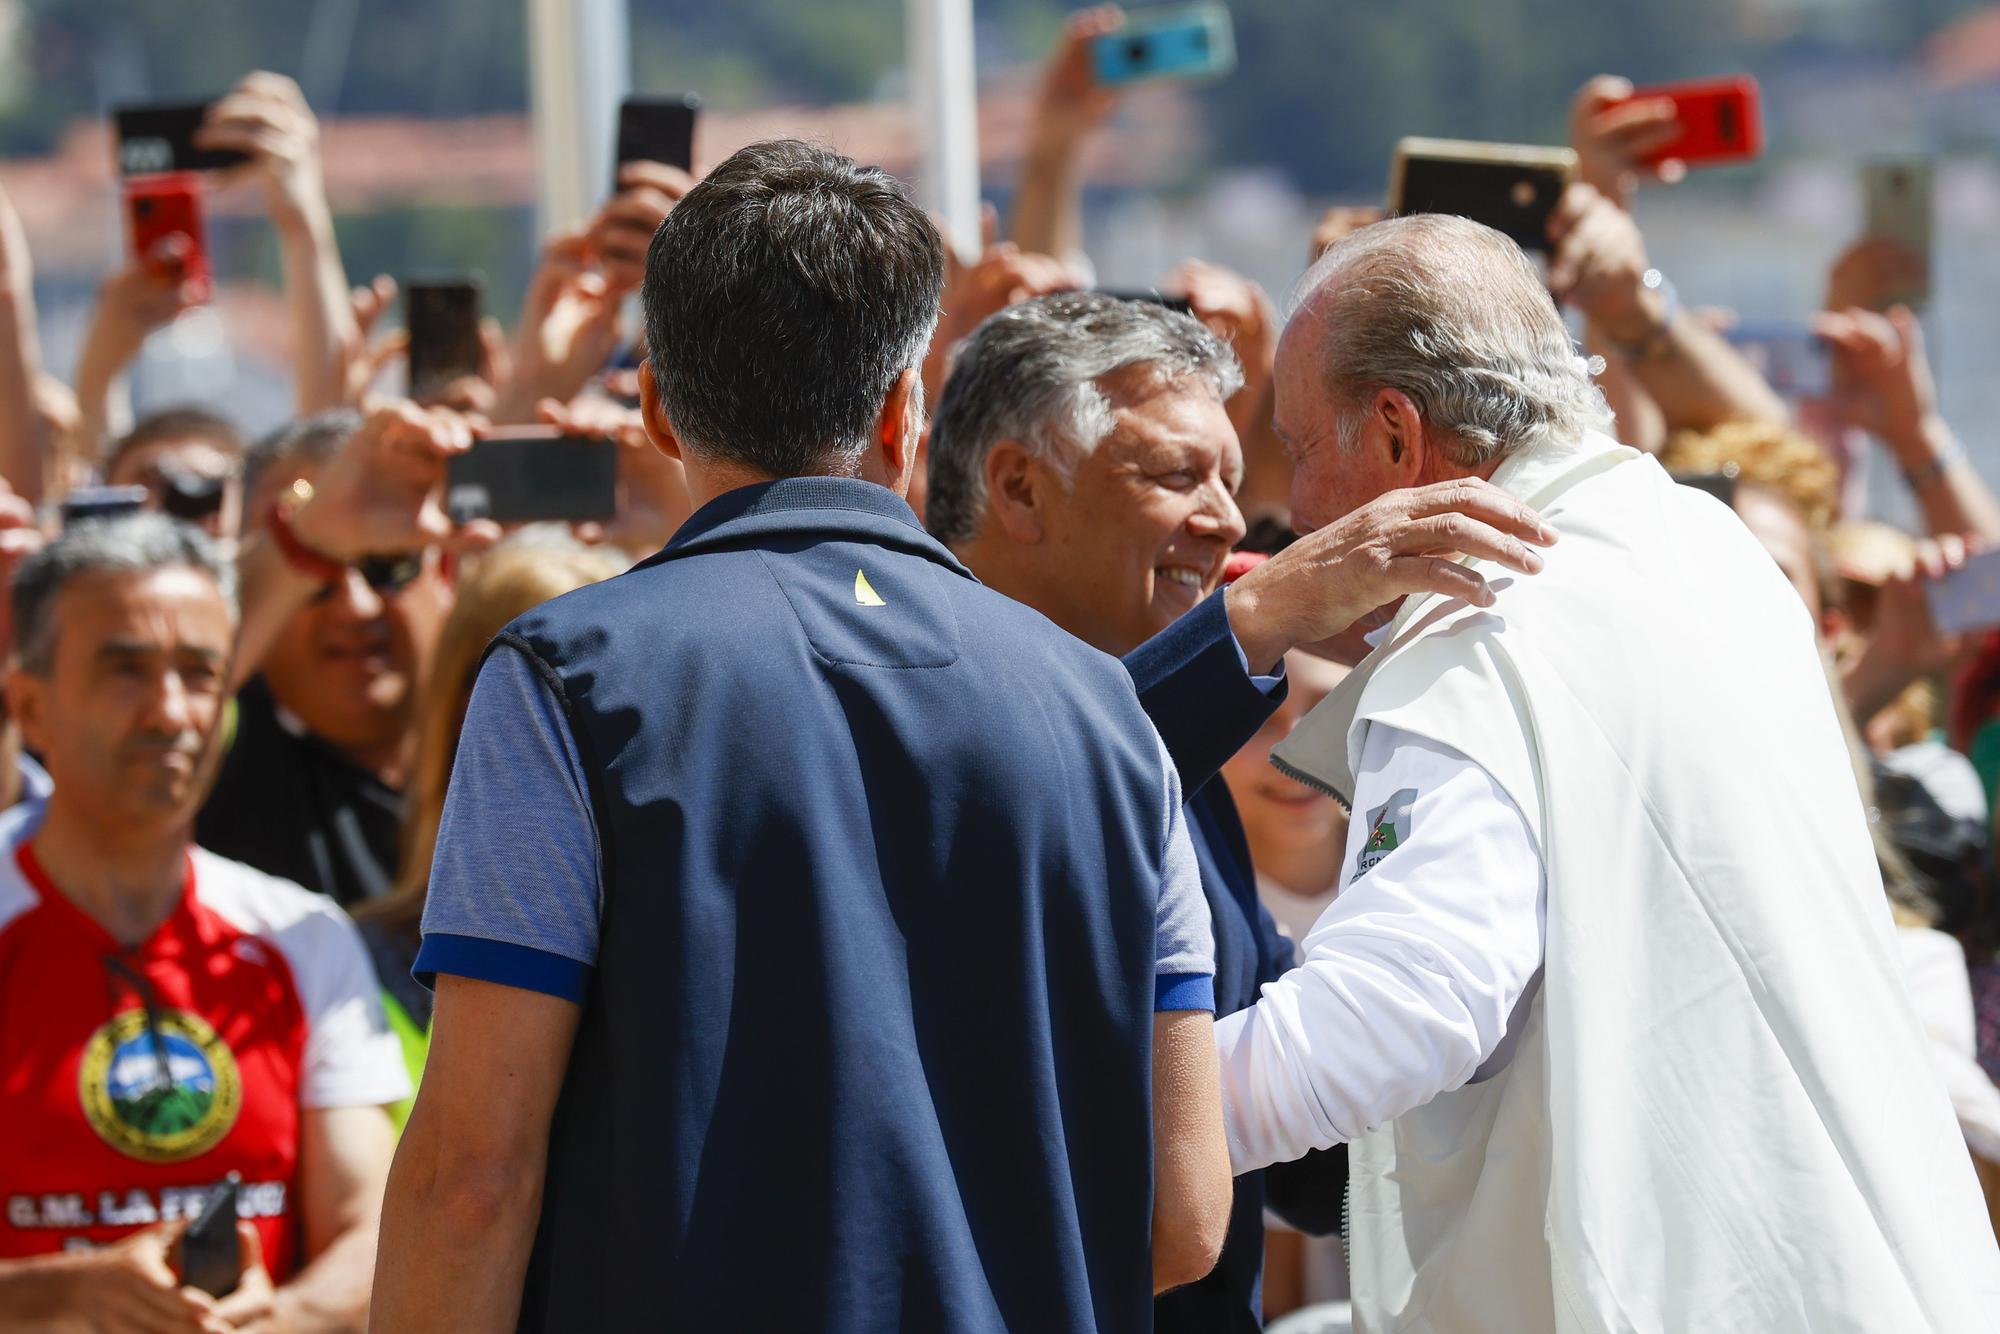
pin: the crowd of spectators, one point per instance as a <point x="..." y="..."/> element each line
<point x="231" y="720"/>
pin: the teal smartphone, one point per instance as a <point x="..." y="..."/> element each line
<point x="1193" y="43"/>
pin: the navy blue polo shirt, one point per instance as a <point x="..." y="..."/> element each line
<point x="868" y="881"/>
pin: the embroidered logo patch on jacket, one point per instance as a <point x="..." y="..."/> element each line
<point x="1388" y="829"/>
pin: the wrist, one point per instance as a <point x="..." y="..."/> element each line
<point x="1636" y="318"/>
<point x="1917" y="439"/>
<point x="299" y="209"/>
<point x="1252" y="622"/>
<point x="304" y="534"/>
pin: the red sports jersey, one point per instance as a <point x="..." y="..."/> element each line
<point x="132" y="1080"/>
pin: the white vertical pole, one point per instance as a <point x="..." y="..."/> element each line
<point x="944" y="98"/>
<point x="579" y="69"/>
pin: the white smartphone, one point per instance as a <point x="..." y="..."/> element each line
<point x="1898" y="191"/>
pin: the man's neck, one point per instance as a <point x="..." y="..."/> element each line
<point x="991" y="560"/>
<point x="128" y="884"/>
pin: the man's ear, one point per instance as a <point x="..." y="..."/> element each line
<point x="1017" y="496"/>
<point x="1409" y="452"/>
<point x="658" y="429"/>
<point x="25" y="705"/>
<point x="893" y="460"/>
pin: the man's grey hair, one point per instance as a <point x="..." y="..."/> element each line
<point x="313" y="440"/>
<point x="126" y="544"/>
<point x="1033" y="373"/>
<point x="784" y="297"/>
<point x="1451" y="313"/>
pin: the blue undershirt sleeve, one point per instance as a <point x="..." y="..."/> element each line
<point x="515" y="888"/>
<point x="1184" y="941"/>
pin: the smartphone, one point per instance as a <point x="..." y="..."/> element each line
<point x="157" y="207"/>
<point x="1967" y="598"/>
<point x="529" y="474"/>
<point x="1193" y="43"/>
<point x="159" y="136"/>
<point x="1793" y="359"/>
<point x="656" y="129"/>
<point x="443" y="318"/>
<point x="102" y="502"/>
<point x="211" y="1252"/>
<point x="1722" y="120"/>
<point x="1898" y="192"/>
<point x="1512" y="188"/>
<point x="1152" y="296"/>
<point x="1721" y="485"/>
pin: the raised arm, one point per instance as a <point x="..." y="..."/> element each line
<point x="1599" y="265"/>
<point x="466" y="1188"/>
<point x="26" y="448"/>
<point x="267" y="117"/>
<point x="1069" y="108"/>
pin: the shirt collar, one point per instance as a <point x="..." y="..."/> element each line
<point x="844" y="507"/>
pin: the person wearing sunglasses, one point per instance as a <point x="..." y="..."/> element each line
<point x="190" y="461"/>
<point x="346" y="589"/>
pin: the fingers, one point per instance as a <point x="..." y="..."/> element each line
<point x="1451" y="535"/>
<point x="989" y="225"/>
<point x="1578" y="199"/>
<point x="1409" y="575"/>
<point x="661" y="177"/>
<point x="1600" y="92"/>
<point x="1479" y="500"/>
<point x="369" y="302"/>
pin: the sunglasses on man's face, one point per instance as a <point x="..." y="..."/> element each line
<point x="384" y="574"/>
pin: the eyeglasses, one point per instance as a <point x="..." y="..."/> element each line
<point x="384" y="574"/>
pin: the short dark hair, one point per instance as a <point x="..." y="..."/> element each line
<point x="784" y="295"/>
<point x="313" y="439"/>
<point x="126" y="544"/>
<point x="186" y="423"/>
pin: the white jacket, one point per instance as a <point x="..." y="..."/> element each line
<point x="1720" y="1115"/>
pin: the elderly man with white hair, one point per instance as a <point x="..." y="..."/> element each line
<point x="1595" y="1075"/>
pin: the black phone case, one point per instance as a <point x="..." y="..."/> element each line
<point x="443" y="319"/>
<point x="160" y="137"/>
<point x="211" y="1252"/>
<point x="1515" y="199"/>
<point x="534" y="480"/>
<point x="655" y="129"/>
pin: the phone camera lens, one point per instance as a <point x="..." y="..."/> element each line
<point x="143" y="207"/>
<point x="1137" y="50"/>
<point x="1523" y="194"/>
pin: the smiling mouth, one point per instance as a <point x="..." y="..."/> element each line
<point x="1185" y="576"/>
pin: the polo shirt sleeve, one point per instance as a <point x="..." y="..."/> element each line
<point x="1184" y="949"/>
<point x="1411" y="978"/>
<point x="515" y="890"/>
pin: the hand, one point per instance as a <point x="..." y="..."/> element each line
<point x="254" y="1303"/>
<point x="1881" y="378"/>
<point x="653" y="497"/>
<point x="129" y="1287"/>
<point x="1904" y="643"/>
<point x="1869" y="274"/>
<point x="1071" y="102"/>
<point x="1339" y="222"/>
<point x="1611" y="136"/>
<point x="267" y="117"/>
<point x="366" y="359"/>
<point x="568" y="329"/>
<point x="20" y="538"/>
<point x="1003" y="275"/>
<point x="624" y="227"/>
<point x="136" y="301"/>
<point x="383" y="491"/>
<point x="1402" y="543"/>
<point x="1598" y="263"/>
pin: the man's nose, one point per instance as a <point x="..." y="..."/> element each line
<point x="352" y="597"/>
<point x="1219" y="519"/>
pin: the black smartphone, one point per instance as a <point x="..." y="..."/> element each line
<point x="103" y="502"/>
<point x="656" y="129"/>
<point x="443" y="319"/>
<point x="1512" y="188"/>
<point x="1721" y="485"/>
<point x="532" y="474"/>
<point x="159" y="136"/>
<point x="211" y="1252"/>
<point x="1150" y="296"/>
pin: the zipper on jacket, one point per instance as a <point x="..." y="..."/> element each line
<point x="1316" y="784"/>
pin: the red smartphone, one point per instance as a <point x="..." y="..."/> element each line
<point x="1722" y="120"/>
<point x="165" y="205"/>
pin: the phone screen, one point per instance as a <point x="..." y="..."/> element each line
<point x="1150" y="296"/>
<point x="444" y="333"/>
<point x="1899" y="210"/>
<point x="656" y="129"/>
<point x="531" y="474"/>
<point x="1515" y="198"/>
<point x="160" y="137"/>
<point x="1967" y="598"/>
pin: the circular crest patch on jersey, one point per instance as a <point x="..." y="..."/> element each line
<point x="159" y="1115"/>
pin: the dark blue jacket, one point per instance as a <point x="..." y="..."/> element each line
<point x="867" y="1047"/>
<point x="1193" y="686"/>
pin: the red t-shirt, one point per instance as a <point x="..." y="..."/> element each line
<point x="262" y="1000"/>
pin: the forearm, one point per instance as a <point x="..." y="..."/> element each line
<point x="455" y="1242"/>
<point x="1953" y="496"/>
<point x="270" y="591"/>
<point x="100" y="397"/>
<point x="1640" y="423"/>
<point x="1048" y="206"/>
<point x="36" y="1293"/>
<point x="25" y="445"/>
<point x="330" y="1295"/>
<point x="323" y="329"/>
<point x="1695" y="377"/>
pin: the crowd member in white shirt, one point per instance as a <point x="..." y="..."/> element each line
<point x="1608" y="1005"/>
